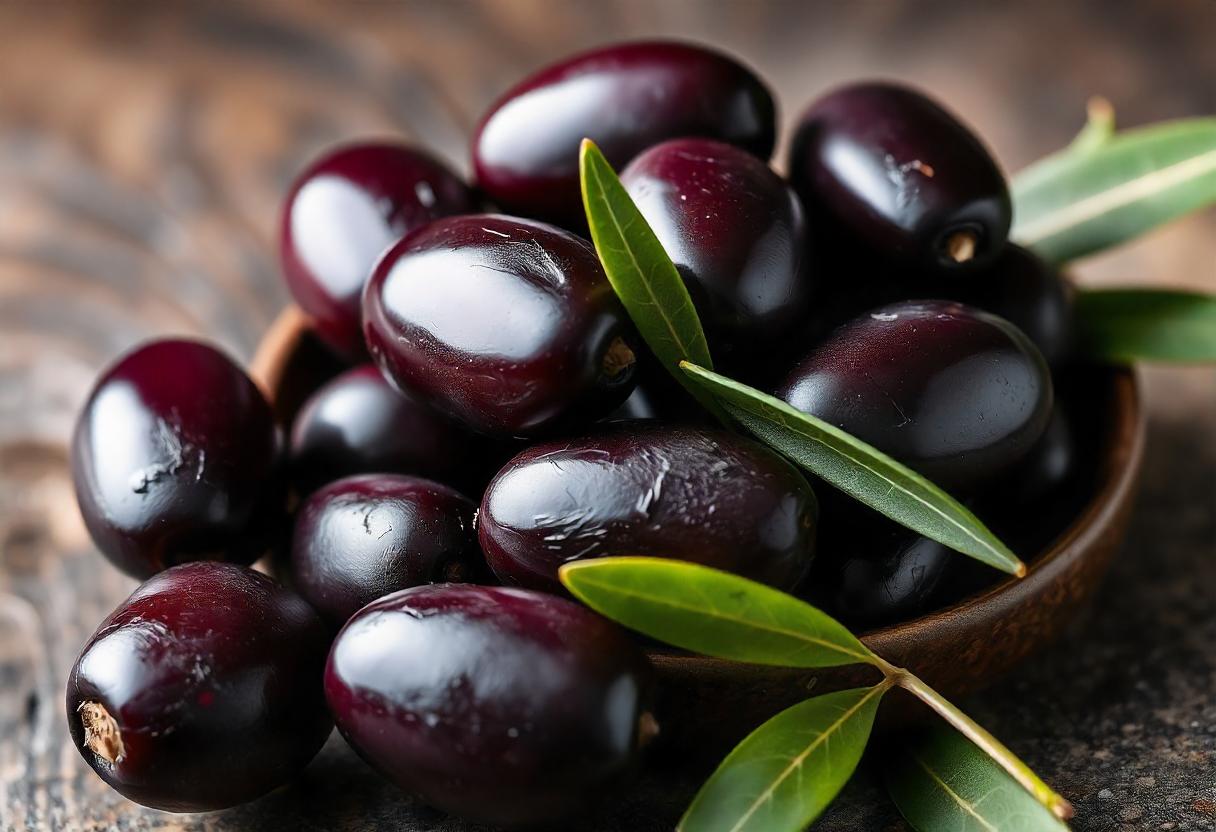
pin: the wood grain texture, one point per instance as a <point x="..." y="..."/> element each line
<point x="144" y="147"/>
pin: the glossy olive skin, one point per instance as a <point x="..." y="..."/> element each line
<point x="901" y="173"/>
<point x="626" y="98"/>
<point x="658" y="395"/>
<point x="342" y="212"/>
<point x="735" y="232"/>
<point x="175" y="459"/>
<point x="503" y="706"/>
<point x="870" y="571"/>
<point x="212" y="675"/>
<point x="640" y="405"/>
<point x="1026" y="291"/>
<point x="359" y="423"/>
<point x="507" y="324"/>
<point x="851" y="284"/>
<point x="1047" y="468"/>
<point x="1019" y="287"/>
<point x="363" y="537"/>
<point x="645" y="488"/>
<point x="957" y="394"/>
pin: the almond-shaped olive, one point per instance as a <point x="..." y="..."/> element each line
<point x="735" y="232"/>
<point x="175" y="458"/>
<point x="1038" y="480"/>
<point x="507" y="324"/>
<point x="363" y="537"/>
<point x="903" y="174"/>
<point x="870" y="571"/>
<point x="1029" y="293"/>
<point x="202" y="690"/>
<point x="342" y="212"/>
<point x="645" y="488"/>
<point x="955" y="393"/>
<point x="1018" y="286"/>
<point x="626" y="98"/>
<point x="358" y="423"/>
<point x="503" y="706"/>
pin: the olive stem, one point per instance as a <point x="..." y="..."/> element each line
<point x="986" y="742"/>
<point x="961" y="246"/>
<point x="1099" y="126"/>
<point x="1099" y="110"/>
<point x="618" y="358"/>
<point x="101" y="734"/>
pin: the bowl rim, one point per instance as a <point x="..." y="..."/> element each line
<point x="1119" y="465"/>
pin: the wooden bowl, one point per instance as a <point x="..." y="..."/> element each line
<point x="709" y="704"/>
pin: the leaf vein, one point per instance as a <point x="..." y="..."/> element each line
<point x="953" y="795"/>
<point x="797" y="761"/>
<point x="1146" y="185"/>
<point x="714" y="612"/>
<point x="647" y="278"/>
<point x="894" y="484"/>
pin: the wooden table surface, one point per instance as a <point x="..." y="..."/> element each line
<point x="143" y="151"/>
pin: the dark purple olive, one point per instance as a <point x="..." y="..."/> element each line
<point x="1050" y="485"/>
<point x="835" y="300"/>
<point x="1048" y="466"/>
<point x="686" y="493"/>
<point x="363" y="537"/>
<point x="640" y="405"/>
<point x="1027" y="292"/>
<point x="359" y="423"/>
<point x="957" y="394"/>
<point x="202" y="690"/>
<point x="507" y="324"/>
<point x="903" y="175"/>
<point x="626" y="98"/>
<point x="175" y="459"/>
<point x="1019" y="287"/>
<point x="503" y="706"/>
<point x="869" y="571"/>
<point x="735" y="232"/>
<point x="658" y="395"/>
<point x="663" y="400"/>
<point x="342" y="212"/>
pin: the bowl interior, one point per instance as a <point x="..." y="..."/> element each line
<point x="1104" y="406"/>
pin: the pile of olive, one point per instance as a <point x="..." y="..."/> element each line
<point x="490" y="362"/>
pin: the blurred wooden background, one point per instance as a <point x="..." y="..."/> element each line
<point x="144" y="147"/>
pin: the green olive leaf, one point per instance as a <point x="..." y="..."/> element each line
<point x="1108" y="190"/>
<point x="858" y="469"/>
<point x="641" y="273"/>
<point x="1127" y="325"/>
<point x="939" y="781"/>
<point x="787" y="771"/>
<point x="712" y="612"/>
